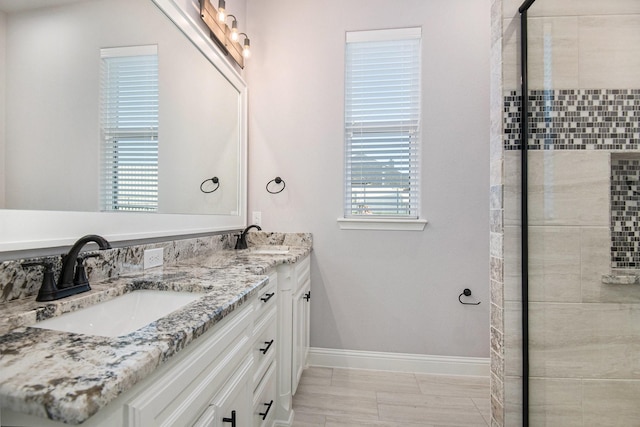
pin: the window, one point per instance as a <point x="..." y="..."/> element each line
<point x="129" y="129"/>
<point x="382" y="124"/>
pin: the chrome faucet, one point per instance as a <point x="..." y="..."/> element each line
<point x="73" y="278"/>
<point x="241" y="243"/>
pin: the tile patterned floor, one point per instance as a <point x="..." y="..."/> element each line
<point x="332" y="397"/>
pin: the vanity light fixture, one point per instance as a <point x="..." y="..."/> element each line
<point x="226" y="38"/>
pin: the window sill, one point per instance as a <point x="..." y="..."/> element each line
<point x="382" y="224"/>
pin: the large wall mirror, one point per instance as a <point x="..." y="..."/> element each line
<point x="58" y="179"/>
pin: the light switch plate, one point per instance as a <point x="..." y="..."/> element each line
<point x="153" y="257"/>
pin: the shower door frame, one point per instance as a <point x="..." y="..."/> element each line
<point x="524" y="203"/>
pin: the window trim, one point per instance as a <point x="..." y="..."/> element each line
<point x="380" y="221"/>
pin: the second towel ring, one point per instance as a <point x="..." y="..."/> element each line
<point x="214" y="180"/>
<point x="278" y="181"/>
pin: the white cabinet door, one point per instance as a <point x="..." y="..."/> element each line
<point x="232" y="406"/>
<point x="264" y="399"/>
<point x="306" y="326"/>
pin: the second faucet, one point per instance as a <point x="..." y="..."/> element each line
<point x="241" y="243"/>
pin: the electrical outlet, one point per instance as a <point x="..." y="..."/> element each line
<point x="153" y="257"/>
<point x="257" y="218"/>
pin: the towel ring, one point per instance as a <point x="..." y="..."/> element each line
<point x="466" y="293"/>
<point x="277" y="180"/>
<point x="214" y="180"/>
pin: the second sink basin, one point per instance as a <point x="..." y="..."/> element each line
<point x="121" y="315"/>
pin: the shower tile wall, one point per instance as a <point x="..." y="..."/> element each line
<point x="584" y="335"/>
<point x="497" y="220"/>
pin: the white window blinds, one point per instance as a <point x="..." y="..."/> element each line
<point x="129" y="128"/>
<point x="382" y="123"/>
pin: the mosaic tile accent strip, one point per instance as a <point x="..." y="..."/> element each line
<point x="625" y="209"/>
<point x="576" y="119"/>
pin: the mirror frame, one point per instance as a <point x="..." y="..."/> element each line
<point x="30" y="229"/>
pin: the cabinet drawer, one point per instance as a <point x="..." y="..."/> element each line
<point x="177" y="396"/>
<point x="264" y="347"/>
<point x="264" y="399"/>
<point x="266" y="297"/>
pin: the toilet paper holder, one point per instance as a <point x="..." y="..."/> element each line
<point x="466" y="293"/>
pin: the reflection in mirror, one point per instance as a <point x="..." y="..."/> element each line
<point x="54" y="147"/>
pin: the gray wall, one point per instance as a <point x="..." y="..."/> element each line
<point x="391" y="291"/>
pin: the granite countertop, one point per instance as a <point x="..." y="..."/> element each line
<point x="69" y="377"/>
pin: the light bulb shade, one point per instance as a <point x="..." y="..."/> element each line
<point x="234" y="30"/>
<point x="222" y="14"/>
<point x="246" y="48"/>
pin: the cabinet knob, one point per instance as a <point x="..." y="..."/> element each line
<point x="265" y="413"/>
<point x="268" y="343"/>
<point x="231" y="420"/>
<point x="267" y="297"/>
<point x="307" y="296"/>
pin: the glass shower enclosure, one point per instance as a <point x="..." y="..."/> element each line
<point x="572" y="217"/>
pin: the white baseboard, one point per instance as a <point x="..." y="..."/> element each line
<point x="399" y="362"/>
<point x="285" y="423"/>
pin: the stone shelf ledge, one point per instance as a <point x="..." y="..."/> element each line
<point x="621" y="279"/>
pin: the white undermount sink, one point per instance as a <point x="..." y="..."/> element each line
<point x="269" y="250"/>
<point x="121" y="315"/>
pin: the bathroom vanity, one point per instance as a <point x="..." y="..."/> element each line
<point x="230" y="358"/>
